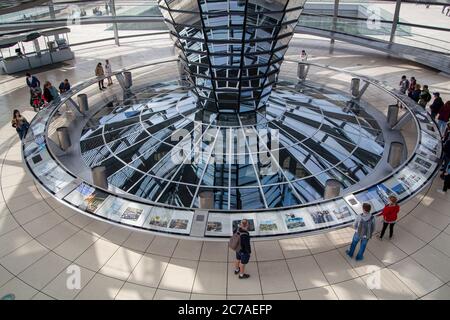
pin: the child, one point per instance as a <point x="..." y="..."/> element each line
<point x="389" y="214"/>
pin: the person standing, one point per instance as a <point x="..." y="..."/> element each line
<point x="99" y="72"/>
<point x="415" y="95"/>
<point x="436" y="106"/>
<point x="20" y="124"/>
<point x="50" y="92"/>
<point x="443" y="117"/>
<point x="390" y="215"/>
<point x="424" y="97"/>
<point x="303" y="56"/>
<point x="108" y="71"/>
<point x="64" y="86"/>
<point x="244" y="251"/>
<point x="364" y="227"/>
<point x="412" y="86"/>
<point x="32" y="81"/>
<point x="446" y="180"/>
<point x="404" y="85"/>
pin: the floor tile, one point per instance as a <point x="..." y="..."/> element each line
<point x="7" y="224"/>
<point x="244" y="297"/>
<point x="18" y="288"/>
<point x="416" y="277"/>
<point x="282" y="296"/>
<point x="322" y="293"/>
<point x="179" y="275"/>
<point x="306" y="273"/>
<point x="41" y="296"/>
<point x="420" y="229"/>
<point x="95" y="257"/>
<point x="5" y="276"/>
<point x="354" y="289"/>
<point x="138" y="241"/>
<point x="13" y="240"/>
<point x="117" y="235"/>
<point x="442" y="243"/>
<point x="268" y="250"/>
<point x="44" y="270"/>
<point x="386" y="286"/>
<point x="69" y="283"/>
<point x="57" y="235"/>
<point x="75" y="245"/>
<point x="170" y="295"/>
<point x="441" y="293"/>
<point x="385" y="251"/>
<point x="188" y="250"/>
<point x="149" y="270"/>
<point x="293" y="248"/>
<point x="318" y="243"/>
<point x="121" y="263"/>
<point x="23" y="257"/>
<point x="335" y="267"/>
<point x="42" y="224"/>
<point x="131" y="291"/>
<point x="162" y="246"/>
<point x="214" y="251"/>
<point x="275" y="277"/>
<point x="198" y="296"/>
<point x="435" y="261"/>
<point x="211" y="278"/>
<point x="100" y="288"/>
<point x="251" y="285"/>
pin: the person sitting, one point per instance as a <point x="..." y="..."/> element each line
<point x="64" y="86"/>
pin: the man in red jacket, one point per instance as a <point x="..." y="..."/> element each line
<point x="389" y="214"/>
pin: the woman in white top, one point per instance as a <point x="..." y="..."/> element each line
<point x="108" y="72"/>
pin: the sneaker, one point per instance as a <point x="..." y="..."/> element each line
<point x="348" y="253"/>
<point x="244" y="276"/>
<point x="441" y="191"/>
<point x="359" y="259"/>
<point x="236" y="271"/>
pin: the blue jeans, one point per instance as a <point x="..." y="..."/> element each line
<point x="362" y="247"/>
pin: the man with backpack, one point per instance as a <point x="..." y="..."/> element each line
<point x="240" y="242"/>
<point x="364" y="227"/>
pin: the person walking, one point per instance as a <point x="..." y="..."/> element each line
<point x="364" y="227"/>
<point x="32" y="81"/>
<point x="424" y="97"/>
<point x="390" y="214"/>
<point x="20" y="123"/>
<point x="108" y="72"/>
<point x="437" y="104"/>
<point x="243" y="251"/>
<point x="446" y="180"/>
<point x="412" y="86"/>
<point x="443" y="117"/>
<point x="404" y="85"/>
<point x="64" y="86"/>
<point x="99" y="72"/>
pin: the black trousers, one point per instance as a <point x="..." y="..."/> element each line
<point x="446" y="183"/>
<point x="391" y="229"/>
<point x="100" y="84"/>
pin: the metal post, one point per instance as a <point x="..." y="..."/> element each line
<point x="395" y="154"/>
<point x="64" y="138"/>
<point x="128" y="78"/>
<point x="83" y="102"/>
<point x="302" y="71"/>
<point x="395" y="21"/>
<point x="99" y="177"/>
<point x="354" y="86"/>
<point x="206" y="200"/>
<point x="332" y="189"/>
<point x="392" y="115"/>
<point x="112" y="5"/>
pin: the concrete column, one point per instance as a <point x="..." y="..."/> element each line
<point x="395" y="20"/>
<point x="112" y="6"/>
<point x="392" y="116"/>
<point x="128" y="79"/>
<point x="332" y="189"/>
<point x="395" y="154"/>
<point x="99" y="177"/>
<point x="354" y="87"/>
<point x="302" y="71"/>
<point x="206" y="200"/>
<point x="64" y="138"/>
<point x="83" y="102"/>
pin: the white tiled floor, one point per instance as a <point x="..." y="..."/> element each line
<point x="42" y="242"/>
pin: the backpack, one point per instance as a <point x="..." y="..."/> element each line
<point x="235" y="242"/>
